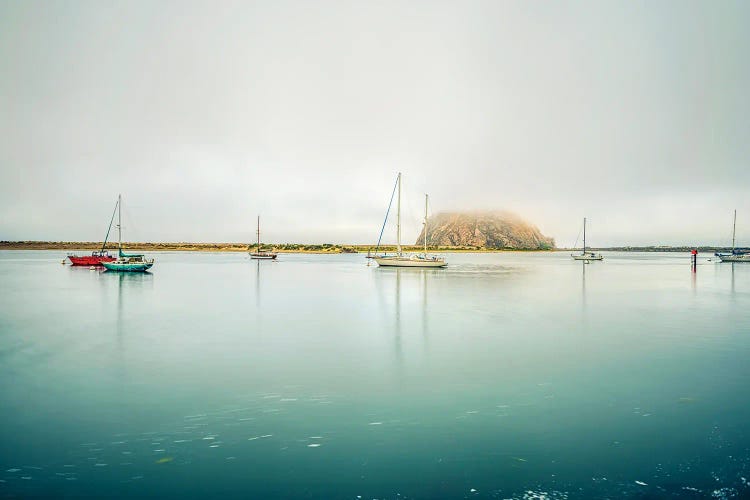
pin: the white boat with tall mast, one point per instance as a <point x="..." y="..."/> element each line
<point x="737" y="254"/>
<point x="584" y="255"/>
<point x="400" y="259"/>
<point x="260" y="253"/>
<point x="126" y="262"/>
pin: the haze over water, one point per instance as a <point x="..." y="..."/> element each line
<point x="505" y="375"/>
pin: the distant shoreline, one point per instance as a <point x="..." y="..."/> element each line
<point x="327" y="248"/>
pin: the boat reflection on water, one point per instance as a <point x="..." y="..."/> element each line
<point x="258" y="264"/>
<point x="425" y="329"/>
<point x="399" y="350"/>
<point x="583" y="285"/>
<point x="693" y="281"/>
<point x="408" y="313"/>
<point x="125" y="282"/>
<point x="129" y="286"/>
<point x="585" y="319"/>
<point x="260" y="288"/>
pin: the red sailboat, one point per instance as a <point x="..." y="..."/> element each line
<point x="95" y="259"/>
<point x="99" y="256"/>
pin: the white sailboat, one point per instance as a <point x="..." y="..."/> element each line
<point x="416" y="260"/>
<point x="584" y="255"/>
<point x="737" y="254"/>
<point x="261" y="254"/>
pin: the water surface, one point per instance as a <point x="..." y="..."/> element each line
<point x="512" y="375"/>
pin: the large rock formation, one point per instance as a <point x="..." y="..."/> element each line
<point x="484" y="230"/>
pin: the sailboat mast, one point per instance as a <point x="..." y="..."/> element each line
<point x="425" y="222"/>
<point x="258" y="233"/>
<point x="111" y="220"/>
<point x="119" y="222"/>
<point x="398" y="217"/>
<point x="584" y="235"/>
<point x="734" y="227"/>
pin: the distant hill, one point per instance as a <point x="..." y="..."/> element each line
<point x="484" y="230"/>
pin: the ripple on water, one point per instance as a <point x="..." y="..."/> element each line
<point x="544" y="495"/>
<point x="725" y="493"/>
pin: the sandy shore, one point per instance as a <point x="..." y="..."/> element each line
<point x="223" y="247"/>
<point x="305" y="248"/>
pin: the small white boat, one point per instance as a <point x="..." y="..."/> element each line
<point x="400" y="259"/>
<point x="737" y="254"/>
<point x="588" y="256"/>
<point x="410" y="261"/>
<point x="584" y="255"/>
<point x="260" y="254"/>
<point x="263" y="255"/>
<point x="740" y="257"/>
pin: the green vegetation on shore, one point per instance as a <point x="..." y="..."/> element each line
<point x="652" y="248"/>
<point x="231" y="247"/>
<point x="310" y="248"/>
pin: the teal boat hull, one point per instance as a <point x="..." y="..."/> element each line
<point x="128" y="267"/>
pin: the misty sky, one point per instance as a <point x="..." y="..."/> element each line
<point x="204" y="114"/>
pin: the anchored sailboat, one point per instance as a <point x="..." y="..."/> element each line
<point x="261" y="254"/>
<point x="400" y="259"/>
<point x="98" y="257"/>
<point x="584" y="255"/>
<point x="131" y="263"/>
<point x="737" y="254"/>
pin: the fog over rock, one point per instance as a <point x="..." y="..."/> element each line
<point x="484" y="229"/>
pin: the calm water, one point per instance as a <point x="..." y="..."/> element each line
<point x="504" y="376"/>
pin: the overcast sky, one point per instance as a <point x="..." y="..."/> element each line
<point x="204" y="114"/>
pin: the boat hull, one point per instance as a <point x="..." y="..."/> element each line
<point x="90" y="260"/>
<point x="128" y="267"/>
<point x="263" y="256"/>
<point x="588" y="257"/>
<point x="735" y="258"/>
<point x="408" y="262"/>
